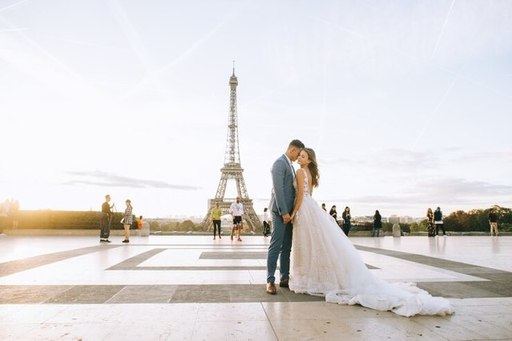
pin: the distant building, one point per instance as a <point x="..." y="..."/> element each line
<point x="394" y="219"/>
<point x="406" y="220"/>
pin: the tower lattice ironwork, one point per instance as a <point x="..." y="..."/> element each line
<point x="233" y="170"/>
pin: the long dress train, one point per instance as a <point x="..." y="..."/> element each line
<point x="325" y="262"/>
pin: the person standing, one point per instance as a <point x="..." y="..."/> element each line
<point x="106" y="220"/>
<point x="323" y="207"/>
<point x="140" y="223"/>
<point x="237" y="211"/>
<point x="438" y="221"/>
<point x="281" y="204"/>
<point x="377" y="224"/>
<point x="215" y="217"/>
<point x="333" y="213"/>
<point x="493" y="221"/>
<point x="347" y="225"/>
<point x="127" y="220"/>
<point x="266" y="223"/>
<point x="431" y="230"/>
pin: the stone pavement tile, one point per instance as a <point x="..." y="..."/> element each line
<point x="468" y="327"/>
<point x="131" y="263"/>
<point x="234" y="330"/>
<point x="234" y="293"/>
<point x="144" y="294"/>
<point x="458" y="289"/>
<point x="30" y="293"/>
<point x="86" y="294"/>
<point x="10" y="267"/>
<point x="233" y="255"/>
<point x="201" y="293"/>
<point x="351" y="329"/>
<point x="169" y="330"/>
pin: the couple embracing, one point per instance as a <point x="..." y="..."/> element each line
<point x="323" y="261"/>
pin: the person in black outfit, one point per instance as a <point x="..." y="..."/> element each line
<point x="333" y="213"/>
<point x="106" y="220"/>
<point x="438" y="221"/>
<point x="346" y="220"/>
<point x="377" y="224"/>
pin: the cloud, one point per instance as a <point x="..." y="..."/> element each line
<point x="393" y="158"/>
<point x="453" y="190"/>
<point x="104" y="179"/>
<point x="461" y="188"/>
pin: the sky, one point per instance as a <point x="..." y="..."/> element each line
<point x="408" y="104"/>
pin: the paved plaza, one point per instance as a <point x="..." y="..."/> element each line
<point x="197" y="288"/>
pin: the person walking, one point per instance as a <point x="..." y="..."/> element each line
<point x="281" y="204"/>
<point x="237" y="211"/>
<point x="347" y="225"/>
<point x="438" y="221"/>
<point x="377" y="224"/>
<point x="106" y="220"/>
<point x="431" y="230"/>
<point x="266" y="222"/>
<point x="493" y="221"/>
<point x="127" y="220"/>
<point x="215" y="217"/>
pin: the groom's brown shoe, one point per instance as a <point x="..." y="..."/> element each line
<point x="271" y="289"/>
<point x="284" y="283"/>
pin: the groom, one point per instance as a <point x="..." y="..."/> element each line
<point x="281" y="205"/>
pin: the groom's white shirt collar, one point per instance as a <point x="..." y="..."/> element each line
<point x="289" y="161"/>
<point x="291" y="165"/>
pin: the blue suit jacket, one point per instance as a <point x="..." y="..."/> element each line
<point x="283" y="192"/>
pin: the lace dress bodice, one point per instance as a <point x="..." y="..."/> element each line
<point x="307" y="193"/>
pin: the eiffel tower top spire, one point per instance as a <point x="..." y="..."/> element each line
<point x="232" y="156"/>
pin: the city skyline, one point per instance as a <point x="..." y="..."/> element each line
<point x="406" y="104"/>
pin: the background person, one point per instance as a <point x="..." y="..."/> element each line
<point x="333" y="213"/>
<point x="431" y="230"/>
<point x="127" y="220"/>
<point x="438" y="221"/>
<point x="347" y="224"/>
<point x="215" y="217"/>
<point x="493" y="221"/>
<point x="237" y="210"/>
<point x="106" y="220"/>
<point x="377" y="224"/>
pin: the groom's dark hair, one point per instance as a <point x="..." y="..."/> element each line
<point x="296" y="143"/>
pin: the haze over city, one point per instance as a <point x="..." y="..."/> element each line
<point x="407" y="104"/>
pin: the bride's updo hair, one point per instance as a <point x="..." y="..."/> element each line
<point x="313" y="166"/>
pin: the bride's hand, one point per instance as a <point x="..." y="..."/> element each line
<point x="292" y="217"/>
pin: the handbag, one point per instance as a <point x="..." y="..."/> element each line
<point x="122" y="221"/>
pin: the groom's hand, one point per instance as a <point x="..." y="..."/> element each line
<point x="287" y="218"/>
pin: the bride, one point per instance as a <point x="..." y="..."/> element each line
<point x="326" y="263"/>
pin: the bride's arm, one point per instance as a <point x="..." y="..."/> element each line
<point x="300" y="192"/>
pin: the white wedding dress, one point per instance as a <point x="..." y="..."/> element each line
<point x="324" y="262"/>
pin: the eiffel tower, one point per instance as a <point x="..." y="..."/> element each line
<point x="233" y="170"/>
